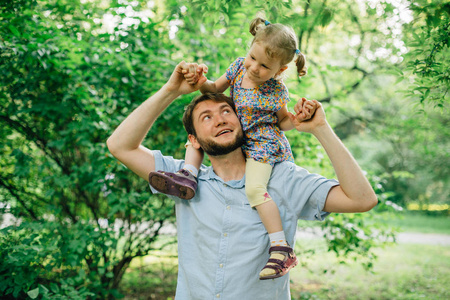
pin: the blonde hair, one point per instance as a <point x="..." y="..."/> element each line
<point x="279" y="41"/>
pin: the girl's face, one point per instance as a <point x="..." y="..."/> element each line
<point x="259" y="66"/>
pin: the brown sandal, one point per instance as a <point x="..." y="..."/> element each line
<point x="181" y="184"/>
<point x="281" y="267"/>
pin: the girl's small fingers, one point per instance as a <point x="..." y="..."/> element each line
<point x="193" y="68"/>
<point x="307" y="115"/>
<point x="202" y="68"/>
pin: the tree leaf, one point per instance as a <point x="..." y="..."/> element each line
<point x="33" y="294"/>
<point x="14" y="30"/>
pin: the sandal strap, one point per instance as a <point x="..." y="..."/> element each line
<point x="276" y="261"/>
<point x="286" y="249"/>
<point x="277" y="268"/>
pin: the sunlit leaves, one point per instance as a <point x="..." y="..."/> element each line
<point x="429" y="59"/>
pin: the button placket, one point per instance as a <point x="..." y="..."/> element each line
<point x="223" y="247"/>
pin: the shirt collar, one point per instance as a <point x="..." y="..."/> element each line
<point x="207" y="173"/>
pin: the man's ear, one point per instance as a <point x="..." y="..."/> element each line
<point x="194" y="141"/>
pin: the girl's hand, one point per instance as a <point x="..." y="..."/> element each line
<point x="193" y="72"/>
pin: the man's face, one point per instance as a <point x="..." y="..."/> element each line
<point x="218" y="129"/>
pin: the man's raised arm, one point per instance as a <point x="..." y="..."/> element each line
<point x="354" y="193"/>
<point x="125" y="142"/>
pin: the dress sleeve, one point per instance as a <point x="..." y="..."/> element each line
<point x="284" y="94"/>
<point x="234" y="68"/>
<point x="278" y="93"/>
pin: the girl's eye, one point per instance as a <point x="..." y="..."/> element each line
<point x="265" y="67"/>
<point x="252" y="57"/>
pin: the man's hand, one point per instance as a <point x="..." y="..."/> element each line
<point x="309" y="116"/>
<point x="177" y="82"/>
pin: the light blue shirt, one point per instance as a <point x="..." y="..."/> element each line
<point x="222" y="243"/>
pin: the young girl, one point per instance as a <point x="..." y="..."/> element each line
<point x="261" y="102"/>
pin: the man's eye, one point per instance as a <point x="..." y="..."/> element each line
<point x="205" y="118"/>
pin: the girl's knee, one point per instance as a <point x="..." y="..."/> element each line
<point x="256" y="194"/>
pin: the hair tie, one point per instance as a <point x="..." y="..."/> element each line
<point x="267" y="23"/>
<point x="297" y="52"/>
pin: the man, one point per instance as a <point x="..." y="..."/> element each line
<point x="222" y="243"/>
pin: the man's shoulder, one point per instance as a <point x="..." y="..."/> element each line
<point x="285" y="172"/>
<point x="284" y="166"/>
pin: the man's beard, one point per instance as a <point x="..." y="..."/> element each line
<point x="213" y="149"/>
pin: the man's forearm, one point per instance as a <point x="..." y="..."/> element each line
<point x="130" y="133"/>
<point x="125" y="142"/>
<point x="350" y="176"/>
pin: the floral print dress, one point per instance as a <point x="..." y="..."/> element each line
<point x="256" y="109"/>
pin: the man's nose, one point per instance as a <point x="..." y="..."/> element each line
<point x="219" y="120"/>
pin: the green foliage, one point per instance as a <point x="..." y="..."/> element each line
<point x="355" y="237"/>
<point x="35" y="264"/>
<point x="406" y="145"/>
<point x="429" y="59"/>
<point x="63" y="90"/>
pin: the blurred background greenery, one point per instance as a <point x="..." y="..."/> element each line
<point x="74" y="221"/>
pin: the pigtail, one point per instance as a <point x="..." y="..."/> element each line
<point x="256" y="24"/>
<point x="300" y="62"/>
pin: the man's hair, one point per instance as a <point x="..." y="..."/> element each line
<point x="188" y="121"/>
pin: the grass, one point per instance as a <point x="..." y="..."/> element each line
<point x="405" y="271"/>
<point x="151" y="277"/>
<point x="421" y="222"/>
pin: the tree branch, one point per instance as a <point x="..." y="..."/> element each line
<point x="16" y="194"/>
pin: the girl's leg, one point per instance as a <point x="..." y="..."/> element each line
<point x="192" y="159"/>
<point x="257" y="178"/>
<point x="183" y="183"/>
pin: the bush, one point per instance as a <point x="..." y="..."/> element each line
<point x="48" y="260"/>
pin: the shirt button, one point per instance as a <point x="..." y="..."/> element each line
<point x="224" y="186"/>
<point x="225" y="234"/>
<point x="228" y="207"/>
<point x="218" y="296"/>
<point x="221" y="265"/>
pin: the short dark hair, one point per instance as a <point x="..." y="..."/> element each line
<point x="188" y="121"/>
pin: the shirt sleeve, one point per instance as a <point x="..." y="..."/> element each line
<point x="234" y="68"/>
<point x="305" y="192"/>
